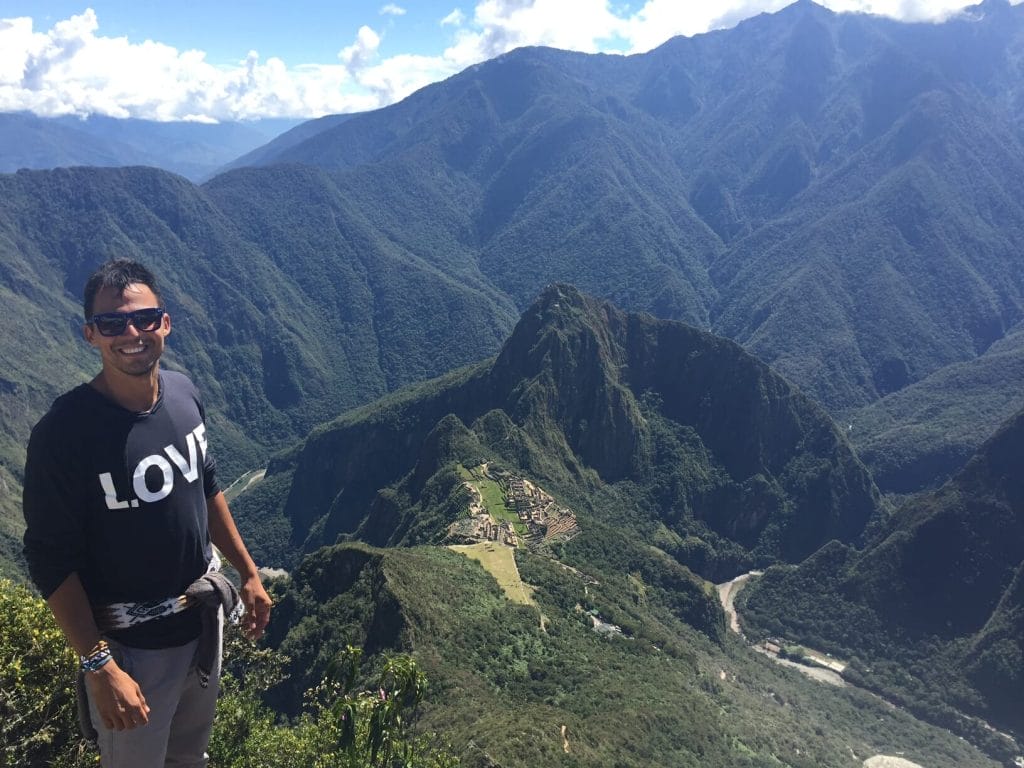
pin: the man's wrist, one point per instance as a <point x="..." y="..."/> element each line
<point x="104" y="673"/>
<point x="97" y="658"/>
<point x="248" y="572"/>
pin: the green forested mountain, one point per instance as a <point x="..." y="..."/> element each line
<point x="937" y="594"/>
<point x="681" y="455"/>
<point x="839" y="193"/>
<point x="921" y="435"/>
<point x="658" y="429"/>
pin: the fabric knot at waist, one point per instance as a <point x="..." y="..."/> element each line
<point x="210" y="592"/>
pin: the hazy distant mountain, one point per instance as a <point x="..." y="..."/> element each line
<point x="193" y="150"/>
<point x="300" y="133"/>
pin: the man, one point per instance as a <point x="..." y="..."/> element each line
<point x="121" y="506"/>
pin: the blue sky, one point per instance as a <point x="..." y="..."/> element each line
<point x="214" y="60"/>
<point x="300" y="32"/>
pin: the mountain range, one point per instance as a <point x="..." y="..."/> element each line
<point x="803" y="183"/>
<point x="822" y="215"/>
<point x="191" y="149"/>
<point x="681" y="456"/>
<point x="836" y="192"/>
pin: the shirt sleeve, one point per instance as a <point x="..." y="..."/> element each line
<point x="210" y="486"/>
<point x="55" y="532"/>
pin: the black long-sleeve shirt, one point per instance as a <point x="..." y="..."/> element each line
<point x="120" y="498"/>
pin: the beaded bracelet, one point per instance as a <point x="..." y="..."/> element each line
<point x="96" y="658"/>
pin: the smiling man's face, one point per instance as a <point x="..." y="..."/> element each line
<point x="134" y="352"/>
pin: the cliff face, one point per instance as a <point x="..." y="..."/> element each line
<point x="665" y="423"/>
<point x="771" y="458"/>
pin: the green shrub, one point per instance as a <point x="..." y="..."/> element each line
<point x="38" y="723"/>
<point x="344" y="725"/>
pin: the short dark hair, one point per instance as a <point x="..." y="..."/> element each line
<point x="117" y="274"/>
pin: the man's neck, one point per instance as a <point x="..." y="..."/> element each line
<point x="133" y="393"/>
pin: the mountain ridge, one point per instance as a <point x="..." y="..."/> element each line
<point x="855" y="224"/>
<point x="591" y="399"/>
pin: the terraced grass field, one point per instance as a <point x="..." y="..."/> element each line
<point x="500" y="562"/>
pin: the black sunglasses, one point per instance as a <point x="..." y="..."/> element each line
<point x="115" y="323"/>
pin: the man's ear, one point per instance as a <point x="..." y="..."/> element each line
<point x="89" y="333"/>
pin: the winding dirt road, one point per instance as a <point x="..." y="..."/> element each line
<point x="829" y="670"/>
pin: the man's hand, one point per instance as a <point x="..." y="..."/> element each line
<point x="257" y="608"/>
<point x="225" y="537"/>
<point x="117" y="697"/>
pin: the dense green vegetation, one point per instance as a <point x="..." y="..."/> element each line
<point x="38" y="724"/>
<point x="920" y="436"/>
<point x="651" y="428"/>
<point x="931" y="610"/>
<point x="502" y="686"/>
<point x="356" y="716"/>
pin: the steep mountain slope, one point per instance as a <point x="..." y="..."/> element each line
<point x="836" y="192"/>
<point x="534" y="684"/>
<point x="937" y="595"/>
<point x="920" y="436"/>
<point x="652" y="427"/>
<point x="279" y="338"/>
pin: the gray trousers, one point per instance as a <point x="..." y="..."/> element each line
<point x="180" y="716"/>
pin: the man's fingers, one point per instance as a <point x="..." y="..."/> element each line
<point x="257" y="616"/>
<point x="142" y="708"/>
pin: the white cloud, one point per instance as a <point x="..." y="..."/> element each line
<point x="658" y="20"/>
<point x="908" y="10"/>
<point x="501" y="25"/>
<point x="398" y="76"/>
<point x="454" y="19"/>
<point x="363" y="51"/>
<point x="73" y="69"/>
